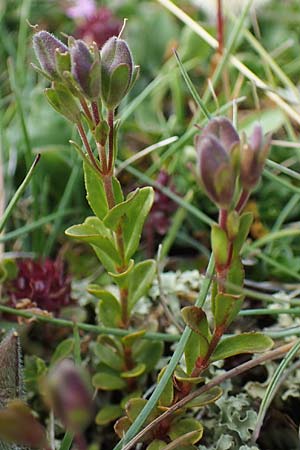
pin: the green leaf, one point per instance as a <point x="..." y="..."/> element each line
<point x="167" y="396"/>
<point x="132" y="338"/>
<point x="122" y="279"/>
<point x="35" y="369"/>
<point x="132" y="213"/>
<point x="183" y="427"/>
<point x="227" y="307"/>
<point x="246" y="220"/>
<point x="134" y="406"/>
<point x="109" y="356"/>
<point x="108" y="414"/>
<point x="118" y="193"/>
<point x="242" y="343"/>
<point x="235" y="276"/>
<point x="121" y="426"/>
<point x="192" y="351"/>
<point x="156" y="445"/>
<point x="63" y="350"/>
<point x="196" y="319"/>
<point x="140" y="281"/>
<point x="181" y="375"/>
<point x="220" y="245"/>
<point x="95" y="192"/>
<point x="136" y="371"/>
<point x="96" y="234"/>
<point x="206" y="398"/>
<point x="117" y="214"/>
<point x="133" y="226"/>
<point x="61" y="99"/>
<point x="148" y="352"/>
<point x="108" y="381"/>
<point x="109" y="308"/>
<point x="125" y="400"/>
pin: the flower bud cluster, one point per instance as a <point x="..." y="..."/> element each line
<point x="78" y="70"/>
<point x="226" y="162"/>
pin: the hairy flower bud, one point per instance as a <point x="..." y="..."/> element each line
<point x="253" y="158"/>
<point x="118" y="71"/>
<point x="218" y="154"/>
<point x="85" y="68"/>
<point x="68" y="393"/>
<point x="46" y="47"/>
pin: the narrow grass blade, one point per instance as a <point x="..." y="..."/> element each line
<point x="62" y="206"/>
<point x="34" y="225"/>
<point x="18" y="194"/>
<point x="191" y="87"/>
<point x="67" y="441"/>
<point x="272" y="389"/>
<point x="291" y="173"/>
<point x="281" y="181"/>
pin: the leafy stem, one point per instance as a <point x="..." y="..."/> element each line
<point x="217" y="381"/>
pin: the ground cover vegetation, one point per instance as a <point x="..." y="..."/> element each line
<point x="149" y="220"/>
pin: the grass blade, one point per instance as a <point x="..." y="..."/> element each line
<point x="18" y="194"/>
<point x="272" y="389"/>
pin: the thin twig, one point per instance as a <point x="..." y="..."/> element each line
<point x="273" y="354"/>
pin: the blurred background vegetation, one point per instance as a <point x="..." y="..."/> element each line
<point x="159" y="107"/>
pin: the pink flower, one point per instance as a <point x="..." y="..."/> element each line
<point x="99" y="27"/>
<point x="81" y="9"/>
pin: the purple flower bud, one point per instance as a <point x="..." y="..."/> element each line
<point x="69" y="395"/>
<point x="118" y="71"/>
<point x="45" y="46"/>
<point x="86" y="69"/>
<point x="253" y="157"/>
<point x="222" y="129"/>
<point x="217" y="149"/>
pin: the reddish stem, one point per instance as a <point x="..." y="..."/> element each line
<point x="87" y="146"/>
<point x="102" y="157"/>
<point x="109" y="191"/>
<point x="86" y="109"/>
<point x="110" y="119"/>
<point x="242" y="201"/>
<point x="223" y="213"/>
<point x="95" y="113"/>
